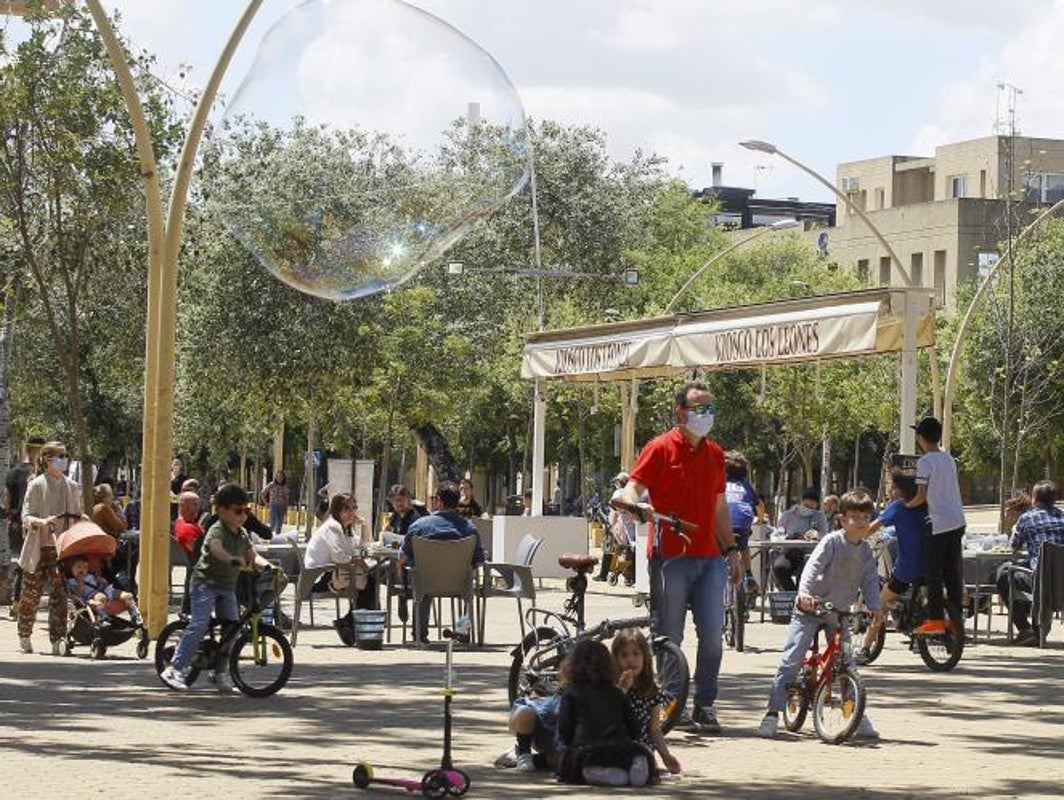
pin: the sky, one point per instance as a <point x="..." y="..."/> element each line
<point x="825" y="81"/>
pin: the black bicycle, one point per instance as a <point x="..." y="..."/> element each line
<point x="536" y="660"/>
<point x="736" y="614"/>
<point x="940" y="652"/>
<point x="256" y="654"/>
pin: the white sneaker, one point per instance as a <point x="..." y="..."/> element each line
<point x="58" y="649"/>
<point x="525" y="762"/>
<point x="24" y="644"/>
<point x="865" y="729"/>
<point x="506" y="759"/>
<point x="769" y="724"/>
<point x="223" y="682"/>
<point x="173" y="678"/>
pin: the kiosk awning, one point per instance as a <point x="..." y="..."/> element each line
<point x="789" y="331"/>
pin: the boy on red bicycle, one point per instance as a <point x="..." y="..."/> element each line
<point x="841" y="564"/>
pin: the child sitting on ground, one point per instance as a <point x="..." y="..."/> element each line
<point x="841" y="564"/>
<point x="596" y="723"/>
<point x="909" y="525"/>
<point x="534" y="724"/>
<point x="98" y="594"/>
<point x="631" y="651"/>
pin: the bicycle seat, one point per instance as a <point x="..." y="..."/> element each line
<point x="576" y="561"/>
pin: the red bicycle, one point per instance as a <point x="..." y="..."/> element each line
<point x="828" y="683"/>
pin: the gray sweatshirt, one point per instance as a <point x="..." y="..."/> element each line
<point x="798" y="519"/>
<point x="837" y="569"/>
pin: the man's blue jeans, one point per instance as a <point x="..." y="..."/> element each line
<point x="698" y="583"/>
<point x="205" y="599"/>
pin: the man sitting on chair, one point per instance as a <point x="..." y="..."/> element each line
<point x="444" y="523"/>
<point x="1043" y="523"/>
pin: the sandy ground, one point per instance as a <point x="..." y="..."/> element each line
<point x="73" y="726"/>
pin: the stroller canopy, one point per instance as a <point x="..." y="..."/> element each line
<point x="85" y="539"/>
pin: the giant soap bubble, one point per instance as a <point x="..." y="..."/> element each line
<point x="368" y="137"/>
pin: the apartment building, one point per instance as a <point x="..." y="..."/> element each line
<point x="944" y="216"/>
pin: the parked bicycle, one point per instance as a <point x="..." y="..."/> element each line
<point x="256" y="654"/>
<point x="536" y="660"/>
<point x="736" y="614"/>
<point x="828" y="684"/>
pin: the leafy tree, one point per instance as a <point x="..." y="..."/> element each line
<point x="69" y="190"/>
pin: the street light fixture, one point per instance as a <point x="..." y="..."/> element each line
<point x="780" y="225"/>
<point x="629" y="276"/>
<point x="765" y="147"/>
<point x="907" y="411"/>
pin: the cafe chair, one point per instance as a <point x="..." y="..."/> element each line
<point x="178" y="558"/>
<point x="1015" y="594"/>
<point x="442" y="569"/>
<point x="980" y="585"/>
<point x="1048" y="588"/>
<point x="304" y="593"/>
<point x="509" y="580"/>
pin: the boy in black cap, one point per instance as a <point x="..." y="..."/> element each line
<point x="936" y="485"/>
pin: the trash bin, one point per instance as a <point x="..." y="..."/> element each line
<point x="780" y="605"/>
<point x="369" y="628"/>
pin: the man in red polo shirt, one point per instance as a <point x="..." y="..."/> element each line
<point x="683" y="471"/>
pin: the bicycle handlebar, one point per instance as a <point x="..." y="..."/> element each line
<point x="678" y="526"/>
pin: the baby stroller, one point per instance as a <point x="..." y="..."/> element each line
<point x="622" y="551"/>
<point x="88" y="626"/>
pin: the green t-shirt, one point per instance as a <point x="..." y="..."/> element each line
<point x="210" y="570"/>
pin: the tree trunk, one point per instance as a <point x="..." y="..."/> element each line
<point x="386" y="463"/>
<point x="7" y="332"/>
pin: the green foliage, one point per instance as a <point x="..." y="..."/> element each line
<point x="72" y="231"/>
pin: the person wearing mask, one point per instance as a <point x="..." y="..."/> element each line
<point x="683" y="472"/>
<point x="803" y="520"/>
<point x="52" y="504"/>
<point x="18" y="477"/>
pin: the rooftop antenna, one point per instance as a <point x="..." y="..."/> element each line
<point x="1005" y="117"/>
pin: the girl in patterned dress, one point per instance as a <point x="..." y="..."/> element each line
<point x="631" y="651"/>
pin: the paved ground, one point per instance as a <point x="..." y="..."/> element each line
<point x="109" y="729"/>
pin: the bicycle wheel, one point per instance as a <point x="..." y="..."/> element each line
<point x="166" y="644"/>
<point x="740" y="617"/>
<point x="541" y="681"/>
<point x="674" y="677"/>
<point x="796" y="707"/>
<point x="859" y="625"/>
<point x="260" y="665"/>
<point x="940" y="653"/>
<point x="729" y="625"/>
<point x="838" y="707"/>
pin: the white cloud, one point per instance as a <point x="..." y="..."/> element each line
<point x="1030" y="61"/>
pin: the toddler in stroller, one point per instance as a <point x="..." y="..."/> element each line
<point x="97" y="605"/>
<point x="622" y="547"/>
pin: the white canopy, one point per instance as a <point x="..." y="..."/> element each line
<point x="789" y="331"/>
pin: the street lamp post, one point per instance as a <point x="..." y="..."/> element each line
<point x="907" y="410"/>
<point x="782" y="224"/>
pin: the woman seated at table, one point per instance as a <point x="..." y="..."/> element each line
<point x="334" y="543"/>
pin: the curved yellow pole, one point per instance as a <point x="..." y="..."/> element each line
<point x="164" y="243"/>
<point x="962" y="331"/>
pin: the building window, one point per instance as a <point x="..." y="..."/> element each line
<point x="958" y="185"/>
<point x="1045" y="187"/>
<point x="884" y="271"/>
<point x="982" y="183"/>
<point x="881" y="199"/>
<point x="916" y="268"/>
<point x="862" y="271"/>
<point x="940" y="277"/>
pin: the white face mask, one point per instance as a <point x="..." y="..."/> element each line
<point x="60" y="464"/>
<point x="699" y="424"/>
